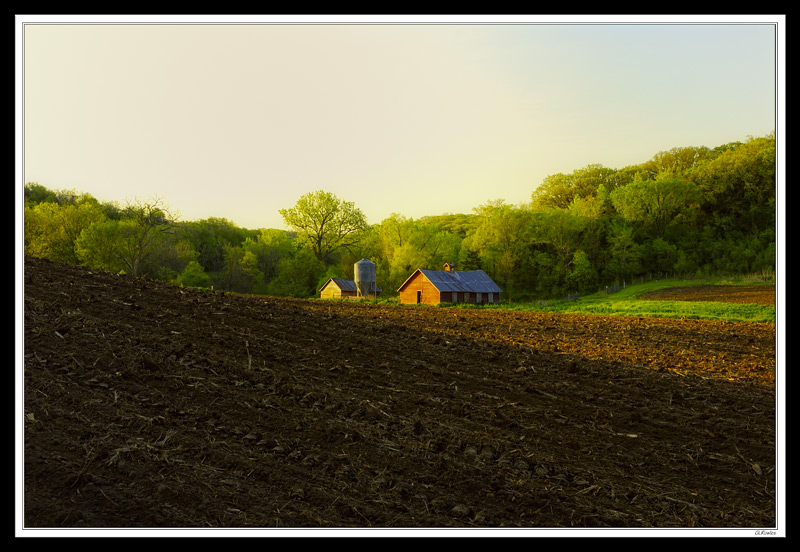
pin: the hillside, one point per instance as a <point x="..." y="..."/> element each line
<point x="148" y="405"/>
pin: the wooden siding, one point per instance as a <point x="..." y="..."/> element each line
<point x="429" y="295"/>
<point x="332" y="291"/>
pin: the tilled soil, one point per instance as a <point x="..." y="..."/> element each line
<point x="147" y="405"/>
<point x="759" y="294"/>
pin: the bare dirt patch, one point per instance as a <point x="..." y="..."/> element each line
<point x="148" y="405"/>
<point x="761" y="295"/>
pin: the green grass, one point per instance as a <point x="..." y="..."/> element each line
<point x="627" y="302"/>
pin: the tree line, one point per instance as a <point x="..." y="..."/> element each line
<point x="687" y="212"/>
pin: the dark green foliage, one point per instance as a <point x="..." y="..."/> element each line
<point x="193" y="276"/>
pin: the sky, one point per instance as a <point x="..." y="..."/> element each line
<point x="238" y="118"/>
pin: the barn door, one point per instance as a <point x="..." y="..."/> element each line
<point x="419" y="297"/>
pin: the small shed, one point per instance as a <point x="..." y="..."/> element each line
<point x="336" y="288"/>
<point x="432" y="287"/>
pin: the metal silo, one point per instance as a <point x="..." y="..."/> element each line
<point x="364" y="277"/>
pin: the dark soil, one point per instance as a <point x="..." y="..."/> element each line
<point x="760" y="294"/>
<point x="150" y="406"/>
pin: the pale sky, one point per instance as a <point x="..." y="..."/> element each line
<point x="238" y="120"/>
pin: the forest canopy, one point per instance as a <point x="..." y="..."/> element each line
<point x="686" y="212"/>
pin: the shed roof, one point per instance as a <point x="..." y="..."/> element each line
<point x="342" y="283"/>
<point x="473" y="281"/>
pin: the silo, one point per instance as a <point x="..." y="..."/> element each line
<point x="364" y="277"/>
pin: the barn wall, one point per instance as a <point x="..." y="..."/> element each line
<point x="462" y="297"/>
<point x="330" y="292"/>
<point x="447" y="297"/>
<point x="430" y="295"/>
<point x="333" y="292"/>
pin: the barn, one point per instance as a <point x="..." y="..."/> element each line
<point x="336" y="288"/>
<point x="432" y="287"/>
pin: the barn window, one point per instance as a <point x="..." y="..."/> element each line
<point x="455" y="297"/>
<point x="466" y="297"/>
<point x="490" y="297"/>
<point x="479" y="297"/>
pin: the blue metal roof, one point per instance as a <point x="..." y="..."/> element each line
<point x="342" y="283"/>
<point x="473" y="281"/>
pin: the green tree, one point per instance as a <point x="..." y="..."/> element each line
<point x="36" y="193"/>
<point x="268" y="248"/>
<point x="127" y="244"/>
<point x="170" y="257"/>
<point x="241" y="273"/>
<point x="146" y="223"/>
<point x="562" y="230"/>
<point x="209" y="237"/>
<point x="659" y="256"/>
<point x="656" y="203"/>
<point x="325" y="223"/>
<point x="739" y="186"/>
<point x="100" y="246"/>
<point x="470" y="259"/>
<point x="560" y="190"/>
<point x="676" y="160"/>
<point x="52" y="230"/>
<point x="625" y="252"/>
<point x="193" y="276"/>
<point x="297" y="275"/>
<point x="583" y="276"/>
<point x="501" y="237"/>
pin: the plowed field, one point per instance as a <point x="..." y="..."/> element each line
<point x="761" y="294"/>
<point x="147" y="405"/>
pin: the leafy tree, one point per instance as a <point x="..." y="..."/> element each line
<point x="325" y="223"/>
<point x="655" y="203"/>
<point x="459" y="225"/>
<point x="51" y="229"/>
<point x="297" y="275"/>
<point x="625" y="252"/>
<point x="36" y="193"/>
<point x="583" y="276"/>
<point x="470" y="259"/>
<point x="739" y="186"/>
<point x="170" y="257"/>
<point x="193" y="276"/>
<point x="562" y="230"/>
<point x="547" y="274"/>
<point x="268" y="248"/>
<point x="99" y="246"/>
<point x="676" y="160"/>
<point x="241" y="273"/>
<point x="126" y="244"/>
<point x="560" y="190"/>
<point x="395" y="233"/>
<point x="685" y="263"/>
<point x="209" y="237"/>
<point x="659" y="256"/>
<point x="501" y="237"/>
<point x="146" y="222"/>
